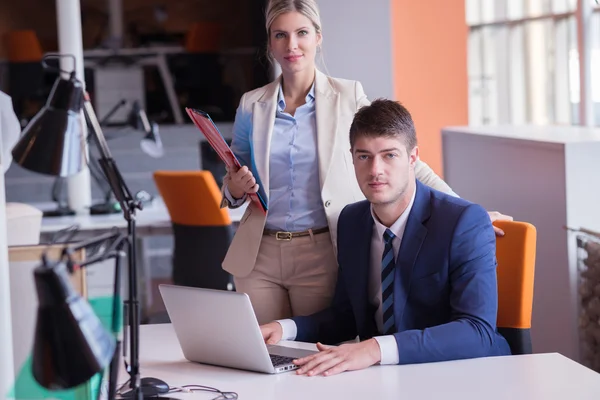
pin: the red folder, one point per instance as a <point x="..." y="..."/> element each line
<point x="210" y="131"/>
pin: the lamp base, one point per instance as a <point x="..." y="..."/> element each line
<point x="105" y="208"/>
<point x="59" y="212"/>
<point x="151" y="388"/>
<point x="145" y="396"/>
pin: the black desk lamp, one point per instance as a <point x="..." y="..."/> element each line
<point x="53" y="144"/>
<point x="70" y="343"/>
<point x="150" y="144"/>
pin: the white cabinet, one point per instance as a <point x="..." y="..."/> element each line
<point x="548" y="176"/>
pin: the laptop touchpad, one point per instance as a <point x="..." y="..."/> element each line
<point x="289" y="352"/>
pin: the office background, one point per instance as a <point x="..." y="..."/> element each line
<point x="483" y="63"/>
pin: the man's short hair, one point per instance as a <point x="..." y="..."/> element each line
<point x="384" y="118"/>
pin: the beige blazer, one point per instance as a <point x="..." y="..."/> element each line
<point x="336" y="102"/>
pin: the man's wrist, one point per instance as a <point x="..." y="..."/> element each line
<point x="375" y="350"/>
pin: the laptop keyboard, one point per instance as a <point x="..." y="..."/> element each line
<point x="280" y="360"/>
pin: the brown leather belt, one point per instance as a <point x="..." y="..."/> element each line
<point x="287" y="236"/>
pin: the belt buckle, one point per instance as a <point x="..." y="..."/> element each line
<point x="287" y="236"/>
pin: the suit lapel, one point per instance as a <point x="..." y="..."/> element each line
<point x="359" y="282"/>
<point x="263" y="122"/>
<point x="327" y="103"/>
<point x="414" y="235"/>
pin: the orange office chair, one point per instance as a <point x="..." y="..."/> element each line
<point x="515" y="252"/>
<point x="202" y="230"/>
<point x="28" y="84"/>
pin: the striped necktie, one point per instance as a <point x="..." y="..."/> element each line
<point x="387" y="283"/>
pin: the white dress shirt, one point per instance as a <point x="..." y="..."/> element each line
<point x="387" y="343"/>
<point x="295" y="202"/>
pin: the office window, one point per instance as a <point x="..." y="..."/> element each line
<point x="488" y="11"/>
<point x="536" y="8"/>
<point x="483" y="76"/>
<point x="538" y="61"/>
<point x="517" y="82"/>
<point x="472" y="12"/>
<point x="515" y="9"/>
<point x="476" y="79"/>
<point x="567" y="76"/>
<point x="524" y="63"/>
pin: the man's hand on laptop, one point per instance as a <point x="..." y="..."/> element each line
<point x="331" y="360"/>
<point x="271" y="332"/>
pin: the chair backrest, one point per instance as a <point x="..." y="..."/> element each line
<point x="23" y="46"/>
<point x="202" y="230"/>
<point x="515" y="252"/>
<point x="192" y="198"/>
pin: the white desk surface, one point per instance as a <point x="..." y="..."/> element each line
<point x="153" y="216"/>
<point x="532" y="377"/>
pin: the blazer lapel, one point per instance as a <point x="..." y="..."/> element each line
<point x="358" y="285"/>
<point x="263" y="121"/>
<point x="327" y="102"/>
<point x="414" y="235"/>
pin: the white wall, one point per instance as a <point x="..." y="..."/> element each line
<point x="357" y="43"/>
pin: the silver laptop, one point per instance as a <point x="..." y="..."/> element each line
<point x="219" y="327"/>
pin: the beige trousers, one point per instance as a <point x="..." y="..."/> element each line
<point x="291" y="278"/>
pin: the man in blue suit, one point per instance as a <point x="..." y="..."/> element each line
<point x="417" y="268"/>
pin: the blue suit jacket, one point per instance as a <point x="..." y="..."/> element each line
<point x="445" y="289"/>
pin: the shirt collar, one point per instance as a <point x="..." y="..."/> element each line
<point x="397" y="227"/>
<point x="281" y="98"/>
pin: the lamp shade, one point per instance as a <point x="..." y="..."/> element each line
<point x="70" y="343"/>
<point x="52" y="143"/>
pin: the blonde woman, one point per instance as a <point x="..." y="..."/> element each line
<point x="292" y="135"/>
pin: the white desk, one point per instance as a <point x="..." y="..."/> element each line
<point x="541" y="376"/>
<point x="152" y="220"/>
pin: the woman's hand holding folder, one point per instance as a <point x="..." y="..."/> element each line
<point x="245" y="182"/>
<point x="241" y="181"/>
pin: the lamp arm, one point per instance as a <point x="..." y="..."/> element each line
<point x="129" y="206"/>
<point x="145" y="122"/>
<point x="115" y="241"/>
<point x="113" y="176"/>
<point x="113" y="110"/>
<point x="95" y="168"/>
